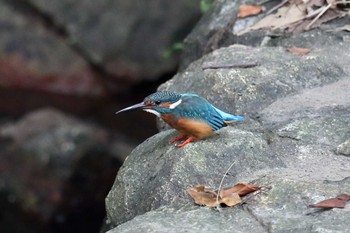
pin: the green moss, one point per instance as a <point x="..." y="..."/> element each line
<point x="205" y="5"/>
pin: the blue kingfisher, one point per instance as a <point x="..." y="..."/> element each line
<point x="190" y="114"/>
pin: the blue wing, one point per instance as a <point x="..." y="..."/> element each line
<point x="196" y="107"/>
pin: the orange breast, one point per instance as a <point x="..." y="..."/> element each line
<point x="194" y="128"/>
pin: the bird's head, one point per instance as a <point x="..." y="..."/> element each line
<point x="158" y="103"/>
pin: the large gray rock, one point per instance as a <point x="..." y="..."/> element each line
<point x="294" y="139"/>
<point x="53" y="169"/>
<point x="220" y="27"/>
<point x="213" y="31"/>
<point x="33" y="58"/>
<point x="186" y="221"/>
<point x="127" y="38"/>
<point x="156" y="173"/>
<point x="282" y="209"/>
<point x="246" y="90"/>
<point x="285" y="207"/>
<point x="90" y="48"/>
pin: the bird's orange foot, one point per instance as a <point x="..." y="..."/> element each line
<point x="182" y="136"/>
<point x="188" y="140"/>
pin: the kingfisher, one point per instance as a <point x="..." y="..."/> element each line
<point x="190" y="114"/>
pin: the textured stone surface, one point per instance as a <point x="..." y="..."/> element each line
<point x="344" y="148"/>
<point x="281" y="209"/>
<point x="294" y="137"/>
<point x="126" y="37"/>
<point x="285" y="207"/>
<point x="186" y="220"/>
<point x="278" y="74"/>
<point x="157" y="173"/>
<point x="213" y="31"/>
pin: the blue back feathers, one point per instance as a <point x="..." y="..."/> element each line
<point x="196" y="107"/>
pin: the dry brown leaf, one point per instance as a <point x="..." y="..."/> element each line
<point x="249" y="10"/>
<point x="285" y="16"/>
<point x="300" y="15"/>
<point x="299" y="51"/>
<point x="201" y="196"/>
<point x="229" y="196"/>
<point x="338" y="202"/>
<point x="231" y="200"/>
<point x="240" y="188"/>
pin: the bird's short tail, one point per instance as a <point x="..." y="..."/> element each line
<point x="229" y="118"/>
<point x="234" y="118"/>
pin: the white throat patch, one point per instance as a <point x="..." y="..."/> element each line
<point x="152" y="111"/>
<point x="174" y="105"/>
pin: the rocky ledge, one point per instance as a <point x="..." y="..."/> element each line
<point x="295" y="139"/>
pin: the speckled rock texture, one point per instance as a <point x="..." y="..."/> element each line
<point x="295" y="139"/>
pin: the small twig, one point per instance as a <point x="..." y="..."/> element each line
<point x="222" y="180"/>
<point x="309" y="15"/>
<point x="313" y="13"/>
<point x="228" y="66"/>
<point x="318" y="16"/>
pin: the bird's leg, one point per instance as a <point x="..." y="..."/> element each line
<point x="190" y="139"/>
<point x="178" y="138"/>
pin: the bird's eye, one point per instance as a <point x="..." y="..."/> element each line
<point x="157" y="102"/>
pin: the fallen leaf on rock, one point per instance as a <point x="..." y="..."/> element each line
<point x="338" y="202"/>
<point x="249" y="10"/>
<point x="285" y="16"/>
<point x="229" y="196"/>
<point x="299" y="51"/>
<point x="231" y="199"/>
<point x="300" y="15"/>
<point x="202" y="196"/>
<point x="240" y="188"/>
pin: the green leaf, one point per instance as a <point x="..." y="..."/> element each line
<point x="205" y="5"/>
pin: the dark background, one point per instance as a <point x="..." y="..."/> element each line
<point x="65" y="68"/>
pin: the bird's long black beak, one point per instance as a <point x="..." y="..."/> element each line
<point x="135" y="106"/>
